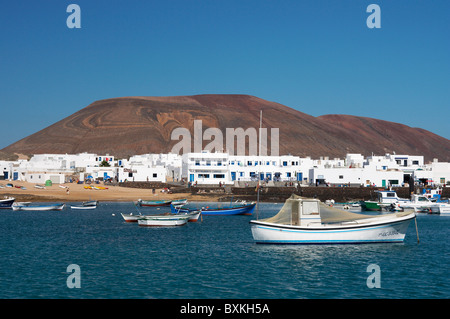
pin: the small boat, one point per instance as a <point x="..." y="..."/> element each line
<point x="29" y="207"/>
<point x="86" y="205"/>
<point x="131" y="218"/>
<point x="242" y="209"/>
<point x="179" y="202"/>
<point x="308" y="221"/>
<point x="385" y="198"/>
<point x="154" y="203"/>
<point x="163" y="220"/>
<point x="6" y="202"/>
<point x="38" y="186"/>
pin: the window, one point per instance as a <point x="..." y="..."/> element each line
<point x="310" y="208"/>
<point x="197" y="163"/>
<point x="341" y="176"/>
<point x="390" y="195"/>
<point x="208" y="163"/>
<point x="249" y="163"/>
<point x="285" y="163"/>
<point x="219" y="175"/>
<point x="155" y="175"/>
<point x="415" y="162"/>
<point x="203" y="175"/>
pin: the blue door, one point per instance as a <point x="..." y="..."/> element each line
<point x="191" y="177"/>
<point x="15" y="176"/>
<point x="261" y="176"/>
<point x="6" y="175"/>
<point x="233" y="176"/>
<point x="299" y="177"/>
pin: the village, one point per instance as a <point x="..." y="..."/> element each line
<point x="220" y="169"/>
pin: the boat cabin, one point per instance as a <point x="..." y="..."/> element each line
<point x="387" y="197"/>
<point x="305" y="212"/>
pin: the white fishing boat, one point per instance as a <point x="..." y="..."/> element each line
<point x="420" y="203"/>
<point x="163" y="220"/>
<point x="179" y="202"/>
<point x="28" y="206"/>
<point x="308" y="221"/>
<point x="86" y="205"/>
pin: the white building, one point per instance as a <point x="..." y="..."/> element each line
<point x="141" y="168"/>
<point x="206" y="168"/>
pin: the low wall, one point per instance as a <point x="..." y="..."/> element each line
<point x="280" y="194"/>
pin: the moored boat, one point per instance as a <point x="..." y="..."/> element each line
<point x="6" y="202"/>
<point x="163" y="220"/>
<point x="308" y="221"/>
<point x="179" y="202"/>
<point x="153" y="203"/>
<point x="28" y="206"/>
<point x="243" y="209"/>
<point x="86" y="205"/>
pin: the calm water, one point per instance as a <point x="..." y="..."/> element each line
<point x="216" y="258"/>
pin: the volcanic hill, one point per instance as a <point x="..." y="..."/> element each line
<point x="138" y="125"/>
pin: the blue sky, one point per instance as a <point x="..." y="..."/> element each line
<point x="317" y="56"/>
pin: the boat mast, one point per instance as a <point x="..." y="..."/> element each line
<point x="259" y="165"/>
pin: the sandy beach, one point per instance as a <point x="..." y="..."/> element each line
<point x="77" y="192"/>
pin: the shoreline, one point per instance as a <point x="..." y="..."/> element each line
<point x="77" y="193"/>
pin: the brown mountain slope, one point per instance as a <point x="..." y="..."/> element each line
<point x="138" y="125"/>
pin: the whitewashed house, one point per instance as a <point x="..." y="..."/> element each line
<point x="206" y="168"/>
<point x="141" y="168"/>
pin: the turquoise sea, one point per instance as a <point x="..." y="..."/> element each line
<point x="212" y="259"/>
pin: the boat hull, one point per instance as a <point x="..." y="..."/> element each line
<point x="83" y="207"/>
<point x="6" y="203"/>
<point x="179" y="202"/>
<point x="370" y="205"/>
<point x="443" y="209"/>
<point x="241" y="210"/>
<point x="39" y="208"/>
<point x="145" y="203"/>
<point x="130" y="218"/>
<point x="383" y="232"/>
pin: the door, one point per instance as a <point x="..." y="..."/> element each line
<point x="15" y="176"/>
<point x="299" y="177"/>
<point x="383" y="183"/>
<point x="191" y="177"/>
<point x="233" y="176"/>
